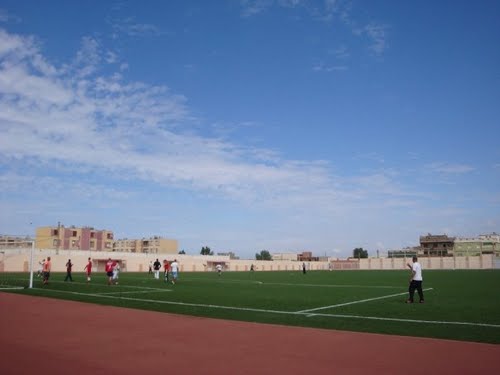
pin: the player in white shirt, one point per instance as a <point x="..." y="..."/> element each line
<point x="116" y="272"/>
<point x="40" y="268"/>
<point x="415" y="281"/>
<point x="174" y="269"/>
<point x="219" y="269"/>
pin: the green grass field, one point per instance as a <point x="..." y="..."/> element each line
<point x="460" y="305"/>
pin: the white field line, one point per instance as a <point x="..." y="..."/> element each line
<point x="295" y="284"/>
<point x="105" y="285"/>
<point x="343" y="316"/>
<point x="11" y="287"/>
<point x="355" y="302"/>
<point x="250" y="282"/>
<point x="134" y="292"/>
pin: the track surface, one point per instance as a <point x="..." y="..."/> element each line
<point x="50" y="336"/>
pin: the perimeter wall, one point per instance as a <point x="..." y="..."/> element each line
<point x="17" y="260"/>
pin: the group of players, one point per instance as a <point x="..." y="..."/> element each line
<point x="170" y="270"/>
<point x="112" y="269"/>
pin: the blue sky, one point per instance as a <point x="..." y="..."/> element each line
<point x="285" y="125"/>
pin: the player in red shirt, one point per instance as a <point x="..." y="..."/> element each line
<point x="109" y="270"/>
<point x="166" y="267"/>
<point x="88" y="270"/>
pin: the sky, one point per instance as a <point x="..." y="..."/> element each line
<point x="279" y="125"/>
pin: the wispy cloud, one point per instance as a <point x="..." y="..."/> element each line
<point x="328" y="11"/>
<point x="7" y="17"/>
<point x="322" y="67"/>
<point x="73" y="118"/>
<point x="450" y="168"/>
<point x="253" y="7"/>
<point x="378" y="35"/>
<point x="130" y="27"/>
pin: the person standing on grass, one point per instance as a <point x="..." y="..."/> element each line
<point x="116" y="272"/>
<point x="415" y="281"/>
<point x="109" y="270"/>
<point x="175" y="269"/>
<point x="304" y="268"/>
<point x="40" y="268"/>
<point x="219" y="269"/>
<point x="166" y="268"/>
<point x="156" y="267"/>
<point x="69" y="267"/>
<point x="46" y="271"/>
<point x="88" y="270"/>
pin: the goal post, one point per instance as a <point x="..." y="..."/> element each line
<point x="17" y="263"/>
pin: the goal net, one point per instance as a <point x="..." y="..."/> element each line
<point x="18" y="265"/>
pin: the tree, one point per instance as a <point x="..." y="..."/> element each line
<point x="359" y="253"/>
<point x="182" y="252"/>
<point x="263" y="255"/>
<point x="205" y="250"/>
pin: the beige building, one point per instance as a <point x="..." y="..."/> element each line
<point x="284" y="256"/>
<point x="437" y="245"/>
<point x="483" y="244"/>
<point x="14" y="241"/>
<point x="73" y="238"/>
<point x="153" y="245"/>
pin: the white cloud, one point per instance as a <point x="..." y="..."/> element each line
<point x="254" y="7"/>
<point x="129" y="26"/>
<point x="322" y="67"/>
<point x="378" y="35"/>
<point x="450" y="168"/>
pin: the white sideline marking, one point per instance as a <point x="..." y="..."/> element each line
<point x="354" y="302"/>
<point x="11" y="287"/>
<point x="343" y="316"/>
<point x="135" y="292"/>
<point x="104" y="285"/>
<point x="235" y="281"/>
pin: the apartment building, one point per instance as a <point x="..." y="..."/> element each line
<point x="11" y="242"/>
<point x="437" y="245"/>
<point x="73" y="238"/>
<point x="473" y="246"/>
<point x="152" y="245"/>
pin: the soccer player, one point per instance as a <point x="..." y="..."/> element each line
<point x="69" y="266"/>
<point x="116" y="271"/>
<point x="46" y="271"/>
<point x="156" y="267"/>
<point x="109" y="270"/>
<point x="175" y="269"/>
<point x="219" y="269"/>
<point x="88" y="270"/>
<point x="415" y="280"/>
<point x="166" y="267"/>
<point x="39" y="273"/>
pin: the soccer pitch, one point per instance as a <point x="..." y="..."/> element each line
<point x="459" y="305"/>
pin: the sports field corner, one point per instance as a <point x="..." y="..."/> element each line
<point x="56" y="336"/>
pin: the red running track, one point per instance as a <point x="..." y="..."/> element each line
<point x="50" y="336"/>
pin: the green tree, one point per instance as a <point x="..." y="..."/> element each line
<point x="263" y="255"/>
<point x="359" y="252"/>
<point x="182" y="252"/>
<point x="205" y="250"/>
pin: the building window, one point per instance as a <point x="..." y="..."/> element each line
<point x="110" y="236"/>
<point x="55" y="232"/>
<point x="92" y="234"/>
<point x="92" y="244"/>
<point x="74" y="233"/>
